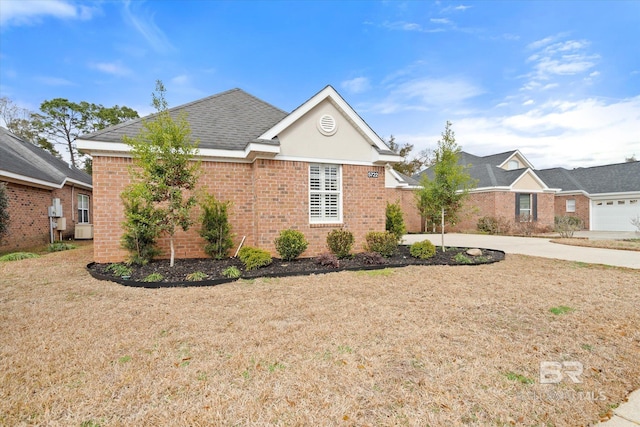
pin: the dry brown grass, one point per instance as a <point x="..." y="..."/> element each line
<point x="414" y="346"/>
<point x="628" y="245"/>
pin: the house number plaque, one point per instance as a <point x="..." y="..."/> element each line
<point x="372" y="174"/>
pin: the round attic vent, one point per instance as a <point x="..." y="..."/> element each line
<point x="327" y="125"/>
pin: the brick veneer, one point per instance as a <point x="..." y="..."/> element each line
<point x="28" y="213"/>
<point x="410" y="214"/>
<point x="582" y="208"/>
<point x="501" y="204"/>
<point x="267" y="195"/>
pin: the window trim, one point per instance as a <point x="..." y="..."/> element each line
<point x="570" y="205"/>
<point x="533" y="208"/>
<point x="82" y="209"/>
<point x="339" y="192"/>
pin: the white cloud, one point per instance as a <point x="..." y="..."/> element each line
<point x="113" y="68"/>
<point x="423" y="94"/>
<point x="181" y="80"/>
<point x="528" y="102"/>
<point x="409" y="26"/>
<point x="144" y="24"/>
<point x="356" y="85"/>
<point x="54" y="81"/>
<point x="553" y="59"/>
<point x="440" y="21"/>
<point x="20" y="12"/>
<point x="588" y="132"/>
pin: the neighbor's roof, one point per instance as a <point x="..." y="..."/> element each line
<point x="484" y="169"/>
<point x="615" y="178"/>
<point x="24" y="161"/>
<point x="229" y="120"/>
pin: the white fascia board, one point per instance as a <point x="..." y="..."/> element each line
<point x="20" y="179"/>
<point x="622" y="194"/>
<point x="559" y="192"/>
<point x="489" y="189"/>
<point x="387" y="158"/>
<point x="334" y="96"/>
<point x="324" y="161"/>
<point x="119" y="149"/>
<point x="77" y="183"/>
<point x="527" y="162"/>
<point x="535" y="177"/>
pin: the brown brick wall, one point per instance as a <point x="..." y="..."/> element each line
<point x="582" y="208"/>
<point x="268" y="196"/>
<point x="501" y="204"/>
<point x="412" y="220"/>
<point x="28" y="212"/>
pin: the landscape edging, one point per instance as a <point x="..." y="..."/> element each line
<point x="214" y="282"/>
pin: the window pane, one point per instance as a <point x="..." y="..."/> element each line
<point x="525" y="202"/>
<point x="314" y="207"/>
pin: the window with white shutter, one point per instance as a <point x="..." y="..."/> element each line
<point x="325" y="193"/>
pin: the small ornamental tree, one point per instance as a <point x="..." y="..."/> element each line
<point x="140" y="226"/>
<point x="395" y="221"/>
<point x="216" y="229"/>
<point x="4" y="211"/>
<point x="163" y="155"/>
<point x="450" y="185"/>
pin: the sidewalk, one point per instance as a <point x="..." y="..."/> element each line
<point x="627" y="414"/>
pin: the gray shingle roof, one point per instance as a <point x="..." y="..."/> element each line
<point x="616" y="178"/>
<point x="484" y="169"/>
<point x="23" y="158"/>
<point x="229" y="120"/>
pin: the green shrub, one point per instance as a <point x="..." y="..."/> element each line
<point x="395" y="221"/>
<point x="119" y="270"/>
<point x="340" y="243"/>
<point x="196" y="276"/>
<point x="422" y="250"/>
<point x="4" y="211"/>
<point x="216" y="229"/>
<point x="382" y="242"/>
<point x="231" y="272"/>
<point x="153" y="277"/>
<point x="141" y="229"/>
<point x="290" y="244"/>
<point x="253" y="258"/>
<point x="461" y="258"/>
<point x="17" y="256"/>
<point x="60" y="246"/>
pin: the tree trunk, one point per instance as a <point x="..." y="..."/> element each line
<point x="173" y="252"/>
<point x="442" y="228"/>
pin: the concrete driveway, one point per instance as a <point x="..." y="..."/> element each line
<point x="534" y="246"/>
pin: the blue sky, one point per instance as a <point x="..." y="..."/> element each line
<point x="558" y="80"/>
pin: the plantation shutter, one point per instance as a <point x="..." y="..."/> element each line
<point x="324" y="193"/>
<point x="534" y="207"/>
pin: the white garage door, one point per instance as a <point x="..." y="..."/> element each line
<point x="614" y="214"/>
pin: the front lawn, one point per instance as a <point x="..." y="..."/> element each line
<point x="420" y="345"/>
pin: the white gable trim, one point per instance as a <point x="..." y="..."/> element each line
<point x="331" y="94"/>
<point x="38" y="183"/>
<point x="519" y="154"/>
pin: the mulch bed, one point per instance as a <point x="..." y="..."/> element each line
<point x="177" y="275"/>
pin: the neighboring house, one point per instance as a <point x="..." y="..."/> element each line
<point x="316" y="169"/>
<point x="605" y="198"/>
<point x="34" y="178"/>
<point x="507" y="187"/>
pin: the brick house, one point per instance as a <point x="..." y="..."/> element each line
<point x="34" y="178"/>
<point x="605" y="197"/>
<point x="316" y="169"/>
<point x="507" y="188"/>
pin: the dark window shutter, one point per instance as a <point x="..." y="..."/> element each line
<point x="517" y="207"/>
<point x="534" y="206"/>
